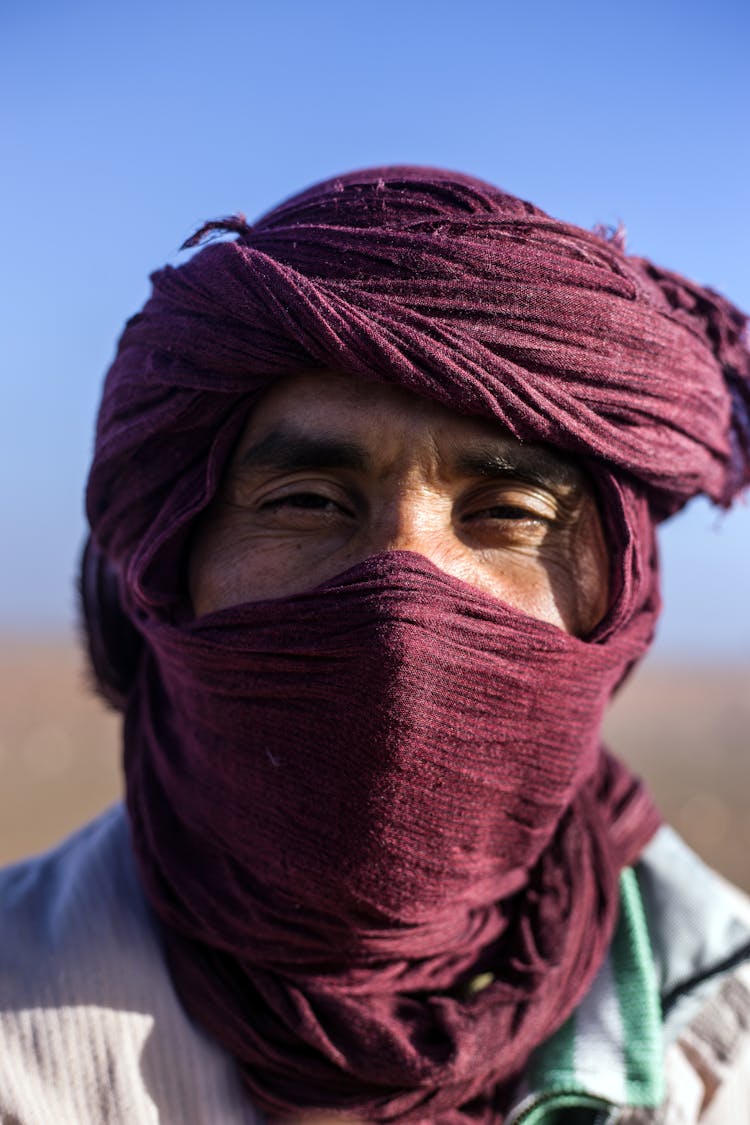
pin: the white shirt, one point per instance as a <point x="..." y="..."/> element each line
<point x="92" y="1032"/>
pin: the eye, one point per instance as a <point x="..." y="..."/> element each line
<point x="306" y="501"/>
<point x="507" y="512"/>
<point x="510" y="502"/>
<point x="305" y="507"/>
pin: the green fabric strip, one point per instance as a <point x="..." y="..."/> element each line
<point x="556" y="1109"/>
<point x="638" y="997"/>
<point x="555" y="1057"/>
<point x="553" y="1080"/>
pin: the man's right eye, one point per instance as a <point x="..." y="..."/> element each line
<point x="307" y="500"/>
<point x="306" y="504"/>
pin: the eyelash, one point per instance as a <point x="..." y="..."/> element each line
<point x="297" y="500"/>
<point x="510" y="512"/>
<point x="293" y="501"/>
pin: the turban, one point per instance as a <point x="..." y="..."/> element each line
<point x="347" y="802"/>
<point x="445" y="286"/>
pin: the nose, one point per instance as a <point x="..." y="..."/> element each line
<point x="421" y="523"/>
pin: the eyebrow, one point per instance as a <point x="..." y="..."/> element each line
<point x="528" y="463"/>
<point x="292" y="450"/>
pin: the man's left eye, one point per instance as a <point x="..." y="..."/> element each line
<point x="508" y="512"/>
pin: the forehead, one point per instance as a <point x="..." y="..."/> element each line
<point x="360" y="423"/>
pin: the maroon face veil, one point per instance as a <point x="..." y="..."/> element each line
<point x="350" y="804"/>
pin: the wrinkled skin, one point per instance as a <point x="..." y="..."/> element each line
<point x="330" y="471"/>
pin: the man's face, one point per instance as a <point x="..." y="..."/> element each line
<point x="331" y="470"/>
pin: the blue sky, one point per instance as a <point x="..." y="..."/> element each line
<point x="125" y="126"/>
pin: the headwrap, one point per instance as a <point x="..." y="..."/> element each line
<point x="374" y="819"/>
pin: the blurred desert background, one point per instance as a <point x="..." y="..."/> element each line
<point x="684" y="728"/>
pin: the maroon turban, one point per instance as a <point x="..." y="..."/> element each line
<point x="348" y="803"/>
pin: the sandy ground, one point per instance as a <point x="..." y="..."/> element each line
<point x="687" y="730"/>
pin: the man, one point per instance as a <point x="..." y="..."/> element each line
<point x="373" y="505"/>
